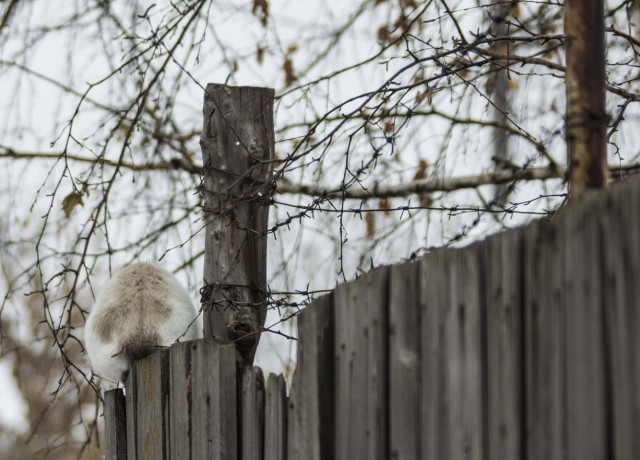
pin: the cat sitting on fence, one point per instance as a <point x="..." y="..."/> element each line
<point x="142" y="308"/>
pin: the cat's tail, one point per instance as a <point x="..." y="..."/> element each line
<point x="139" y="347"/>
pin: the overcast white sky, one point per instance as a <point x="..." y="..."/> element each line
<point x="304" y="254"/>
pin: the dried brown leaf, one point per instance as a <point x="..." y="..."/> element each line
<point x="370" y="220"/>
<point x="261" y="9"/>
<point x="425" y="200"/>
<point x="389" y="126"/>
<point x="259" y="54"/>
<point x="422" y="170"/>
<point x="383" y="34"/>
<point x="385" y="205"/>
<point x="70" y="201"/>
<point x="424" y="95"/>
<point x="289" y="74"/>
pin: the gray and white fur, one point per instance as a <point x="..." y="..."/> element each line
<point x="143" y="307"/>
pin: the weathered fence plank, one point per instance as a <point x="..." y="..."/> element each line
<point x="252" y="414"/>
<point x="586" y="424"/>
<point x="404" y="363"/>
<point x="311" y="407"/>
<point x="147" y="409"/>
<point x="522" y="346"/>
<point x="203" y="400"/>
<point x="275" y="419"/>
<point x="237" y="148"/>
<point x="501" y="261"/>
<point x="361" y="367"/>
<point x="214" y="389"/>
<point x="452" y="350"/>
<point x="115" y="430"/>
<point x="464" y="355"/>
<point x="436" y="393"/>
<point x="544" y="343"/>
<point x="621" y="316"/>
<point x="152" y="418"/>
<point x="180" y="399"/>
<point x="132" y="414"/>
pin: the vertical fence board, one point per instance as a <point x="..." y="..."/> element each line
<point x="252" y="414"/>
<point x="361" y="367"/>
<point x="310" y="420"/>
<point x="275" y="419"/>
<point x="622" y="316"/>
<point x="464" y="348"/>
<point x="131" y="400"/>
<point x="462" y="355"/>
<point x="452" y="345"/>
<point x="436" y="395"/>
<point x="180" y="399"/>
<point x="544" y="346"/>
<point x="214" y="412"/>
<point x="152" y="408"/>
<point x="404" y="362"/>
<point x="586" y="386"/>
<point x="203" y="400"/>
<point x="502" y="257"/>
<point x="115" y="430"/>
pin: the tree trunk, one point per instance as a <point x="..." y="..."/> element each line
<point x="500" y="28"/>
<point x="586" y="112"/>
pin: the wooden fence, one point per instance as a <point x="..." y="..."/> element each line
<point x="523" y="346"/>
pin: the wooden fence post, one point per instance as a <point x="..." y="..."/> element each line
<point x="238" y="149"/>
<point x="275" y="419"/>
<point x="203" y="401"/>
<point x="115" y="431"/>
<point x="311" y="409"/>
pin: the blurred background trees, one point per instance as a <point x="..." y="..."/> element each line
<point x="401" y="126"/>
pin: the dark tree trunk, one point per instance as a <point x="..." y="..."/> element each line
<point x="586" y="112"/>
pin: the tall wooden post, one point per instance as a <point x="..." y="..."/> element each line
<point x="238" y="150"/>
<point x="586" y="112"/>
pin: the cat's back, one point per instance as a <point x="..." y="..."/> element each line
<point x="139" y="295"/>
<point x="142" y="304"/>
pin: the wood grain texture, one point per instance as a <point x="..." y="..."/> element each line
<point x="152" y="410"/>
<point x="115" y="421"/>
<point x="586" y="396"/>
<point x="180" y="399"/>
<point x="436" y="395"/>
<point x="502" y="263"/>
<point x="237" y="148"/>
<point x="311" y="406"/>
<point x="275" y="419"/>
<point x="621" y="316"/>
<point x="453" y="398"/>
<point x="214" y="414"/>
<point x="464" y="355"/>
<point x="131" y="401"/>
<point x="252" y="394"/>
<point x="404" y="363"/>
<point x="521" y="346"/>
<point x="361" y="367"/>
<point x="204" y="400"/>
<point x="545" y="317"/>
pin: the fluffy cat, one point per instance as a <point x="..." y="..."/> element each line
<point x="143" y="307"/>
